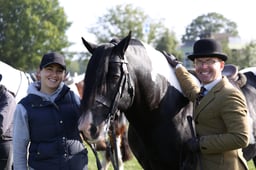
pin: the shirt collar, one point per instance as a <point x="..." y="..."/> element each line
<point x="212" y="84"/>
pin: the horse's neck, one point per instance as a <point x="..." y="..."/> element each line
<point x="161" y="67"/>
<point x="153" y="77"/>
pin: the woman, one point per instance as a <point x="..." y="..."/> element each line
<point x="46" y="122"/>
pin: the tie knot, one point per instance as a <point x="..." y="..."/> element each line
<point x="202" y="91"/>
<point x="200" y="94"/>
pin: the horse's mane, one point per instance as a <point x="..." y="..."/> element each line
<point x="98" y="65"/>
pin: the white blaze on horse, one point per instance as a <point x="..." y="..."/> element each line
<point x="131" y="77"/>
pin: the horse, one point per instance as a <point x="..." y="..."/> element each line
<point x="121" y="128"/>
<point x="133" y="77"/>
<point x="249" y="90"/>
<point x="15" y="80"/>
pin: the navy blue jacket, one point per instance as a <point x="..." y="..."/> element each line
<point x="55" y="140"/>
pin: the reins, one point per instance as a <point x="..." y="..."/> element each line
<point x="99" y="166"/>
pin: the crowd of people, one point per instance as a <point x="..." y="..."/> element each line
<point x="40" y="131"/>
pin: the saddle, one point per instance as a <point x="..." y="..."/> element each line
<point x="231" y="71"/>
<point x="236" y="78"/>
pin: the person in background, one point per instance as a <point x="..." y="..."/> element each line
<point x="7" y="108"/>
<point x="46" y="122"/>
<point x="220" y="116"/>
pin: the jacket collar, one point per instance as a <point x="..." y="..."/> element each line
<point x="210" y="95"/>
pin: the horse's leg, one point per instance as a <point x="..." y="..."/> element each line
<point x="105" y="162"/>
<point x="138" y="148"/>
<point x="125" y="148"/>
<point x="119" y="154"/>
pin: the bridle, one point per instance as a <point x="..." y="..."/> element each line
<point x="114" y="111"/>
<point x="113" y="108"/>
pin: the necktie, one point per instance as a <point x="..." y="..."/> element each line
<point x="200" y="95"/>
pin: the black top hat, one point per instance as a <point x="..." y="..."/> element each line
<point x="53" y="58"/>
<point x="207" y="48"/>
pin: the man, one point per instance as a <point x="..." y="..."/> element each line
<point x="220" y="116"/>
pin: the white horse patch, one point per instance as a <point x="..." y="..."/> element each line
<point x="162" y="67"/>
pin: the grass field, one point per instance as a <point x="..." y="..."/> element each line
<point x="132" y="164"/>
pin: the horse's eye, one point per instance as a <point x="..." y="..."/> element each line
<point x="115" y="77"/>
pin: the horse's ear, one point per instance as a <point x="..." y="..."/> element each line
<point x="123" y="44"/>
<point x="90" y="47"/>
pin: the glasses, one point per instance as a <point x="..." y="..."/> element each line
<point x="200" y="63"/>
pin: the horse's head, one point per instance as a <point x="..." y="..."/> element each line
<point x="108" y="89"/>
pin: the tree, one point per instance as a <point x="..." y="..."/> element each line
<point x="168" y="42"/>
<point x="28" y="29"/>
<point x="247" y="56"/>
<point x="118" y="21"/>
<point x="206" y="25"/>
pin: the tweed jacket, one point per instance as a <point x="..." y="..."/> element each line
<point x="220" y="122"/>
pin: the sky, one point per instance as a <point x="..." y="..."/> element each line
<point x="177" y="15"/>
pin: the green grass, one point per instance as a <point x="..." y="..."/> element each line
<point x="251" y="165"/>
<point x="131" y="164"/>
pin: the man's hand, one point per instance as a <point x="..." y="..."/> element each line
<point x="172" y="60"/>
<point x="193" y="145"/>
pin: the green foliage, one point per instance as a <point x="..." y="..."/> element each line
<point x="167" y="42"/>
<point x="206" y="25"/>
<point x="28" y="29"/>
<point x="119" y="20"/>
<point x="248" y="55"/>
